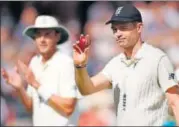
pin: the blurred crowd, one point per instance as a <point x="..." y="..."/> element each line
<point x="161" y="29"/>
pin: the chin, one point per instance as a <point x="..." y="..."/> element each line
<point x="123" y="45"/>
<point x="43" y="51"/>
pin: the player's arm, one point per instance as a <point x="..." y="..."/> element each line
<point x="173" y="100"/>
<point x="168" y="82"/>
<point x="64" y="103"/>
<point x="89" y="85"/>
<point x="86" y="84"/>
<point x="15" y="80"/>
<point x="64" y="106"/>
<point x="26" y="99"/>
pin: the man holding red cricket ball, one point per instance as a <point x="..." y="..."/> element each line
<point x="142" y="76"/>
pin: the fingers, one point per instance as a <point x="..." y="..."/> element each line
<point x="30" y="71"/>
<point x="81" y="36"/>
<point x="88" y="40"/>
<point x="16" y="69"/>
<point x="21" y="67"/>
<point x="87" y="50"/>
<point x="24" y="66"/>
<point x="4" y="73"/>
<point x="77" y="48"/>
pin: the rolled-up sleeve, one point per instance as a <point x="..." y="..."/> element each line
<point x="68" y="86"/>
<point x="166" y="74"/>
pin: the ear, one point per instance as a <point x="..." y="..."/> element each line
<point x="58" y="36"/>
<point x="140" y="27"/>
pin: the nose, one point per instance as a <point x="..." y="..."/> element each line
<point x="118" y="34"/>
<point x="42" y="38"/>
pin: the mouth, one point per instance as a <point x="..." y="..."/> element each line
<point x="120" y="40"/>
<point x="43" y="45"/>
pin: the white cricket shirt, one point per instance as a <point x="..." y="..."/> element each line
<point x="177" y="74"/>
<point x="142" y="86"/>
<point x="58" y="76"/>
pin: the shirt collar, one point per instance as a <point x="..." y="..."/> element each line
<point x="138" y="56"/>
<point x="50" y="60"/>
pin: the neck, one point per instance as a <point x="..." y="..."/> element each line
<point x="47" y="56"/>
<point x="131" y="51"/>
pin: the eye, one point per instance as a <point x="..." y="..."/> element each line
<point x="127" y="27"/>
<point x="37" y="34"/>
<point x="114" y="30"/>
<point x="47" y="34"/>
<point x="124" y="28"/>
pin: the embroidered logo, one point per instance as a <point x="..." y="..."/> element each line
<point x="171" y="76"/>
<point x="118" y="11"/>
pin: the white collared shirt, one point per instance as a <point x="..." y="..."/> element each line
<point x="142" y="86"/>
<point x="58" y="75"/>
<point x="177" y="74"/>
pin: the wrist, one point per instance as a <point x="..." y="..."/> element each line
<point x="35" y="84"/>
<point x="44" y="93"/>
<point x="20" y="89"/>
<point x="80" y="66"/>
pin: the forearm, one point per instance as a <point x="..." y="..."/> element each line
<point x="173" y="100"/>
<point x="26" y="100"/>
<point x="62" y="105"/>
<point x="175" y="108"/>
<point x="83" y="81"/>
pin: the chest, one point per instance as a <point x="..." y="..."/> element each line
<point x="48" y="75"/>
<point x="135" y="77"/>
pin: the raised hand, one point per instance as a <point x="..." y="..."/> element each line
<point x="26" y="72"/>
<point x="14" y="79"/>
<point x="81" y="50"/>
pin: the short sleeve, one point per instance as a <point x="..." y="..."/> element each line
<point x="68" y="87"/>
<point x="166" y="74"/>
<point x="107" y="71"/>
<point x="177" y="74"/>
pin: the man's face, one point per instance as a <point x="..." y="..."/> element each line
<point x="126" y="34"/>
<point x="46" y="40"/>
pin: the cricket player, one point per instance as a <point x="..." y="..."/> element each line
<point x="142" y="76"/>
<point x="51" y="91"/>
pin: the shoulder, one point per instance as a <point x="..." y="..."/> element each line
<point x="114" y="63"/>
<point x="63" y="60"/>
<point x="115" y="59"/>
<point x="64" y="57"/>
<point x="154" y="52"/>
<point x="34" y="60"/>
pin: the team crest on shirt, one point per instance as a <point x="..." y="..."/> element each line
<point x="41" y="99"/>
<point x="171" y="76"/>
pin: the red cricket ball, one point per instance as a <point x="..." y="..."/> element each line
<point x="82" y="43"/>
